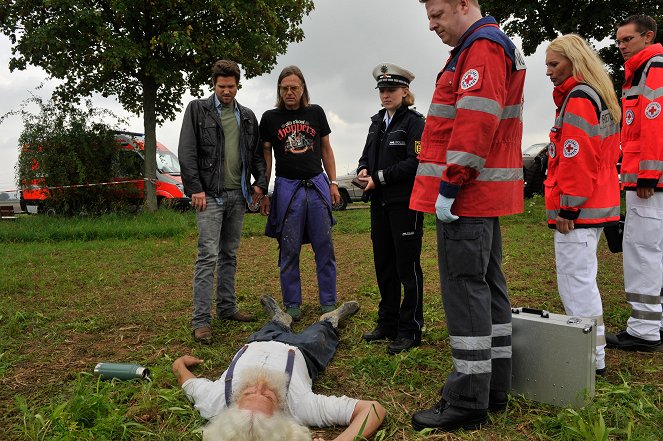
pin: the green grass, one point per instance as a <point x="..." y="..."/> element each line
<point x="75" y="292"/>
<point x="162" y="224"/>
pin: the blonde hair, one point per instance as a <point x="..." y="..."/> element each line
<point x="408" y="99"/>
<point x="588" y="68"/>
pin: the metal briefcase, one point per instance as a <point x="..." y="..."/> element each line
<point x="554" y="357"/>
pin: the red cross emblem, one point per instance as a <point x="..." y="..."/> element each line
<point x="571" y="148"/>
<point x="652" y="110"/>
<point x="470" y="78"/>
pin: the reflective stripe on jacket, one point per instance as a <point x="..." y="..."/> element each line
<point x="582" y="182"/>
<point x="472" y="137"/>
<point x="642" y="128"/>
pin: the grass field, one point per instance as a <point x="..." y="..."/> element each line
<point x="75" y="292"/>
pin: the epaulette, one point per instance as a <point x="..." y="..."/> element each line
<point x="420" y="115"/>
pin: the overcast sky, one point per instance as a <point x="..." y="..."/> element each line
<point x="344" y="41"/>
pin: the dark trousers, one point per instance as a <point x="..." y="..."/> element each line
<point x="477" y="309"/>
<point x="317" y="343"/>
<point x="396" y="233"/>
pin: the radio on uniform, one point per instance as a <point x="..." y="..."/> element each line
<point x="553" y="356"/>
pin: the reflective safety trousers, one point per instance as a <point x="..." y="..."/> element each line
<point x="642" y="127"/>
<point x="582" y="183"/>
<point x="472" y="137"/>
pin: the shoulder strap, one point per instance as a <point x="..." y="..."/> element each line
<point x="640" y="78"/>
<point x="582" y="88"/>
<point x="606" y="126"/>
<point x="230" y="372"/>
<point x="290" y="363"/>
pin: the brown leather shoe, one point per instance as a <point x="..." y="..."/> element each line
<point x="241" y="317"/>
<point x="203" y="335"/>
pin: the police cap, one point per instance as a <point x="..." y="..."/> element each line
<point x="391" y="75"/>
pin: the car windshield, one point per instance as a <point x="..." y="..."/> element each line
<point x="167" y="162"/>
<point x="534" y="149"/>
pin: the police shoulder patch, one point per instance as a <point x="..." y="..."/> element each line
<point x="571" y="148"/>
<point x="652" y="110"/>
<point x="417" y="147"/>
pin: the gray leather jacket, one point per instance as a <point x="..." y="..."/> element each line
<point x="201" y="148"/>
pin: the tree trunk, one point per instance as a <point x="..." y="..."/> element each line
<point x="150" y="123"/>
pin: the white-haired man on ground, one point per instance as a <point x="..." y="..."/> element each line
<point x="266" y="392"/>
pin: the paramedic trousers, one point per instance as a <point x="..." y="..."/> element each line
<point x="396" y="234"/>
<point x="219" y="232"/>
<point x="643" y="264"/>
<point x="575" y="256"/>
<point x="477" y="309"/>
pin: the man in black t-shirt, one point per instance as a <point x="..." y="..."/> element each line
<point x="300" y="207"/>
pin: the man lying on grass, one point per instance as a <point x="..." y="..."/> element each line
<point x="265" y="394"/>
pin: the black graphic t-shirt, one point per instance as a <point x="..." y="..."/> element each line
<point x="295" y="137"/>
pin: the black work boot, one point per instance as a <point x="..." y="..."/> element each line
<point x="377" y="334"/>
<point x="401" y="345"/>
<point x="444" y="416"/>
<point x="627" y="342"/>
<point x="497" y="400"/>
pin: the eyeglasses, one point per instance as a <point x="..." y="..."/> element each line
<point x="286" y="89"/>
<point x="628" y="39"/>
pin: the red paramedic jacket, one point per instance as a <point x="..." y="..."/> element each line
<point x="582" y="183"/>
<point x="642" y="127"/>
<point x="471" y="145"/>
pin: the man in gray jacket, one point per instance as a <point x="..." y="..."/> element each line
<point x="219" y="150"/>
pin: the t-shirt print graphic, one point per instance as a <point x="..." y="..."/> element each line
<point x="299" y="137"/>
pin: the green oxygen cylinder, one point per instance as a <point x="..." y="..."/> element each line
<point x="121" y="371"/>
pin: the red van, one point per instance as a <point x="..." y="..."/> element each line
<point x="170" y="190"/>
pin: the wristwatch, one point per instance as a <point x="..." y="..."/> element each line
<point x="334" y="183"/>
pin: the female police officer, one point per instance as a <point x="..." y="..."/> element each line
<point x="387" y="167"/>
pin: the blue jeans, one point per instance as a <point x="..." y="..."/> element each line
<point x="219" y="232"/>
<point x="317" y="342"/>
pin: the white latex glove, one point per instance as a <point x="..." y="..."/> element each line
<point x="443" y="209"/>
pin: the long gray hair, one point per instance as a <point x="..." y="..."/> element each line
<point x="235" y="424"/>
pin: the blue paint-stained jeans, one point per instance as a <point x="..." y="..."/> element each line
<point x="477" y="308"/>
<point x="219" y="233"/>
<point x="318" y="342"/>
<point x="307" y="215"/>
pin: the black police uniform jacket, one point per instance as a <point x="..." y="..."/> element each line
<point x="390" y="156"/>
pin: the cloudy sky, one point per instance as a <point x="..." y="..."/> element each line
<point x="344" y="41"/>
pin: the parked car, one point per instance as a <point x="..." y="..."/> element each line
<point x="130" y="157"/>
<point x="349" y="193"/>
<point x="535" y="162"/>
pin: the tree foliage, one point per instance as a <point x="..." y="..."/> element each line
<point x="71" y="151"/>
<point x="544" y="20"/>
<point x="147" y="53"/>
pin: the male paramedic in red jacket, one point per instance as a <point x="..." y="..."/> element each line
<point x="642" y="171"/>
<point x="469" y="174"/>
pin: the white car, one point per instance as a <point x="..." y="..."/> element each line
<point x="349" y="193"/>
